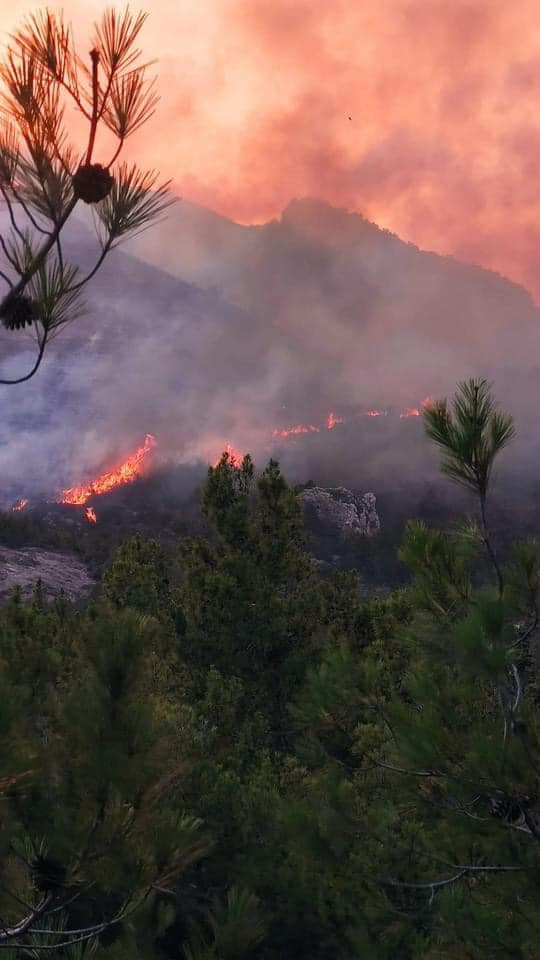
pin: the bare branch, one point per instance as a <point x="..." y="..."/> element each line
<point x="23" y="925"/>
<point x="36" y="366"/>
<point x="462" y="871"/>
<point x="409" y="773"/>
<point x="517" y="681"/>
<point x="424" y="886"/>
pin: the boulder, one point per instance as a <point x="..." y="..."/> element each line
<point x="58" y="572"/>
<point x="342" y="510"/>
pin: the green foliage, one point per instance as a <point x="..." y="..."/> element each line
<point x="470" y="433"/>
<point x="93" y="784"/>
<point x="250" y="601"/>
<point x="137" y="577"/>
<point x="237" y="758"/>
<point x="440" y="563"/>
<point x="235" y="927"/>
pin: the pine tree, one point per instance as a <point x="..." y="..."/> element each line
<point x="460" y="753"/>
<point x="94" y="827"/>
<point x="43" y="177"/>
<point x="251" y="599"/>
<point x="138" y="577"/>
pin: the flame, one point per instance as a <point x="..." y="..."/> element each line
<point x="416" y="411"/>
<point x="124" y="473"/>
<point x="234" y="455"/>
<point x="130" y="469"/>
<point x="409" y="412"/>
<point x="332" y="420"/>
<point x="296" y="431"/>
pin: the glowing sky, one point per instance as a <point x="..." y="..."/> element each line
<point x="444" y="142"/>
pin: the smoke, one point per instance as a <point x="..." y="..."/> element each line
<point x="422" y="115"/>
<point x="248" y="329"/>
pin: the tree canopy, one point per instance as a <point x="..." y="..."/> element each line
<point x="230" y="756"/>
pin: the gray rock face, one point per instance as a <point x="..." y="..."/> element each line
<point x="57" y="571"/>
<point x="341" y="509"/>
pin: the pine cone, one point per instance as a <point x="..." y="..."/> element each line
<point x="507" y="808"/>
<point x="92" y="183"/>
<point x="49" y="874"/>
<point x="17" y="311"/>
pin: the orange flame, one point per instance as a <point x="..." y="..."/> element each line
<point x="124" y="473"/>
<point x="376" y="413"/>
<point x="416" y="411"/>
<point x="409" y="412"/>
<point x="235" y="457"/>
<point x="332" y="420"/>
<point x="91" y="515"/>
<point x="20" y="505"/>
<point x="295" y="431"/>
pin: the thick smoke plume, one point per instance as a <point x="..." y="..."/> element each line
<point x="246" y="330"/>
<point x="422" y="114"/>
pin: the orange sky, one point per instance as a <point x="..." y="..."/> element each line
<point x="444" y="142"/>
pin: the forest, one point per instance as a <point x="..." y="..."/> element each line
<point x="228" y="755"/>
<point x="226" y="751"/>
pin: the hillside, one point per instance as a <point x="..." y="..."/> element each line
<point x="204" y="332"/>
<point x="362" y="306"/>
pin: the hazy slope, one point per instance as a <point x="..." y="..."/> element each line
<point x="390" y="321"/>
<point x="232" y="331"/>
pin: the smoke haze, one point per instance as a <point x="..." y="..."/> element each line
<point x="421" y="115"/>
<point x="250" y="329"/>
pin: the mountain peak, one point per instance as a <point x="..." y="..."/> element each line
<point x="321" y="222"/>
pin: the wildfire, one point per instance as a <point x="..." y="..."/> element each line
<point x="234" y="455"/>
<point x="332" y="420"/>
<point x="409" y="412"/>
<point x="295" y="431"/>
<point x="416" y="411"/>
<point x="124" y="473"/>
<point x="128" y="470"/>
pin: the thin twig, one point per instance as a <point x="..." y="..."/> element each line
<point x="411" y="773"/>
<point x="81" y="283"/>
<point x="94" y="54"/>
<point x="11" y="260"/>
<point x="9" y="205"/>
<point x="23" y="925"/>
<point x="28" y="212"/>
<point x="27" y="376"/>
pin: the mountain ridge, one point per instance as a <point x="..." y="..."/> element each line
<point x="318" y="311"/>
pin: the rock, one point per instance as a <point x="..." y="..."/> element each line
<point x="58" y="572"/>
<point x="339" y="508"/>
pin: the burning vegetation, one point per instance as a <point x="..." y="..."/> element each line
<point x="125" y="472"/>
<point x="235" y="456"/>
<point x="295" y="431"/>
<point x="416" y="411"/>
<point x="133" y="466"/>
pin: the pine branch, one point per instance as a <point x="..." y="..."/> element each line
<point x="40" y="65"/>
<point x="35" y="368"/>
<point x="23" y="925"/>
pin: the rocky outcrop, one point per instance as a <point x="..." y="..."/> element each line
<point x="58" y="572"/>
<point x="341" y="510"/>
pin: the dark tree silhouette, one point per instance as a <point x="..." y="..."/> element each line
<point x="42" y="175"/>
